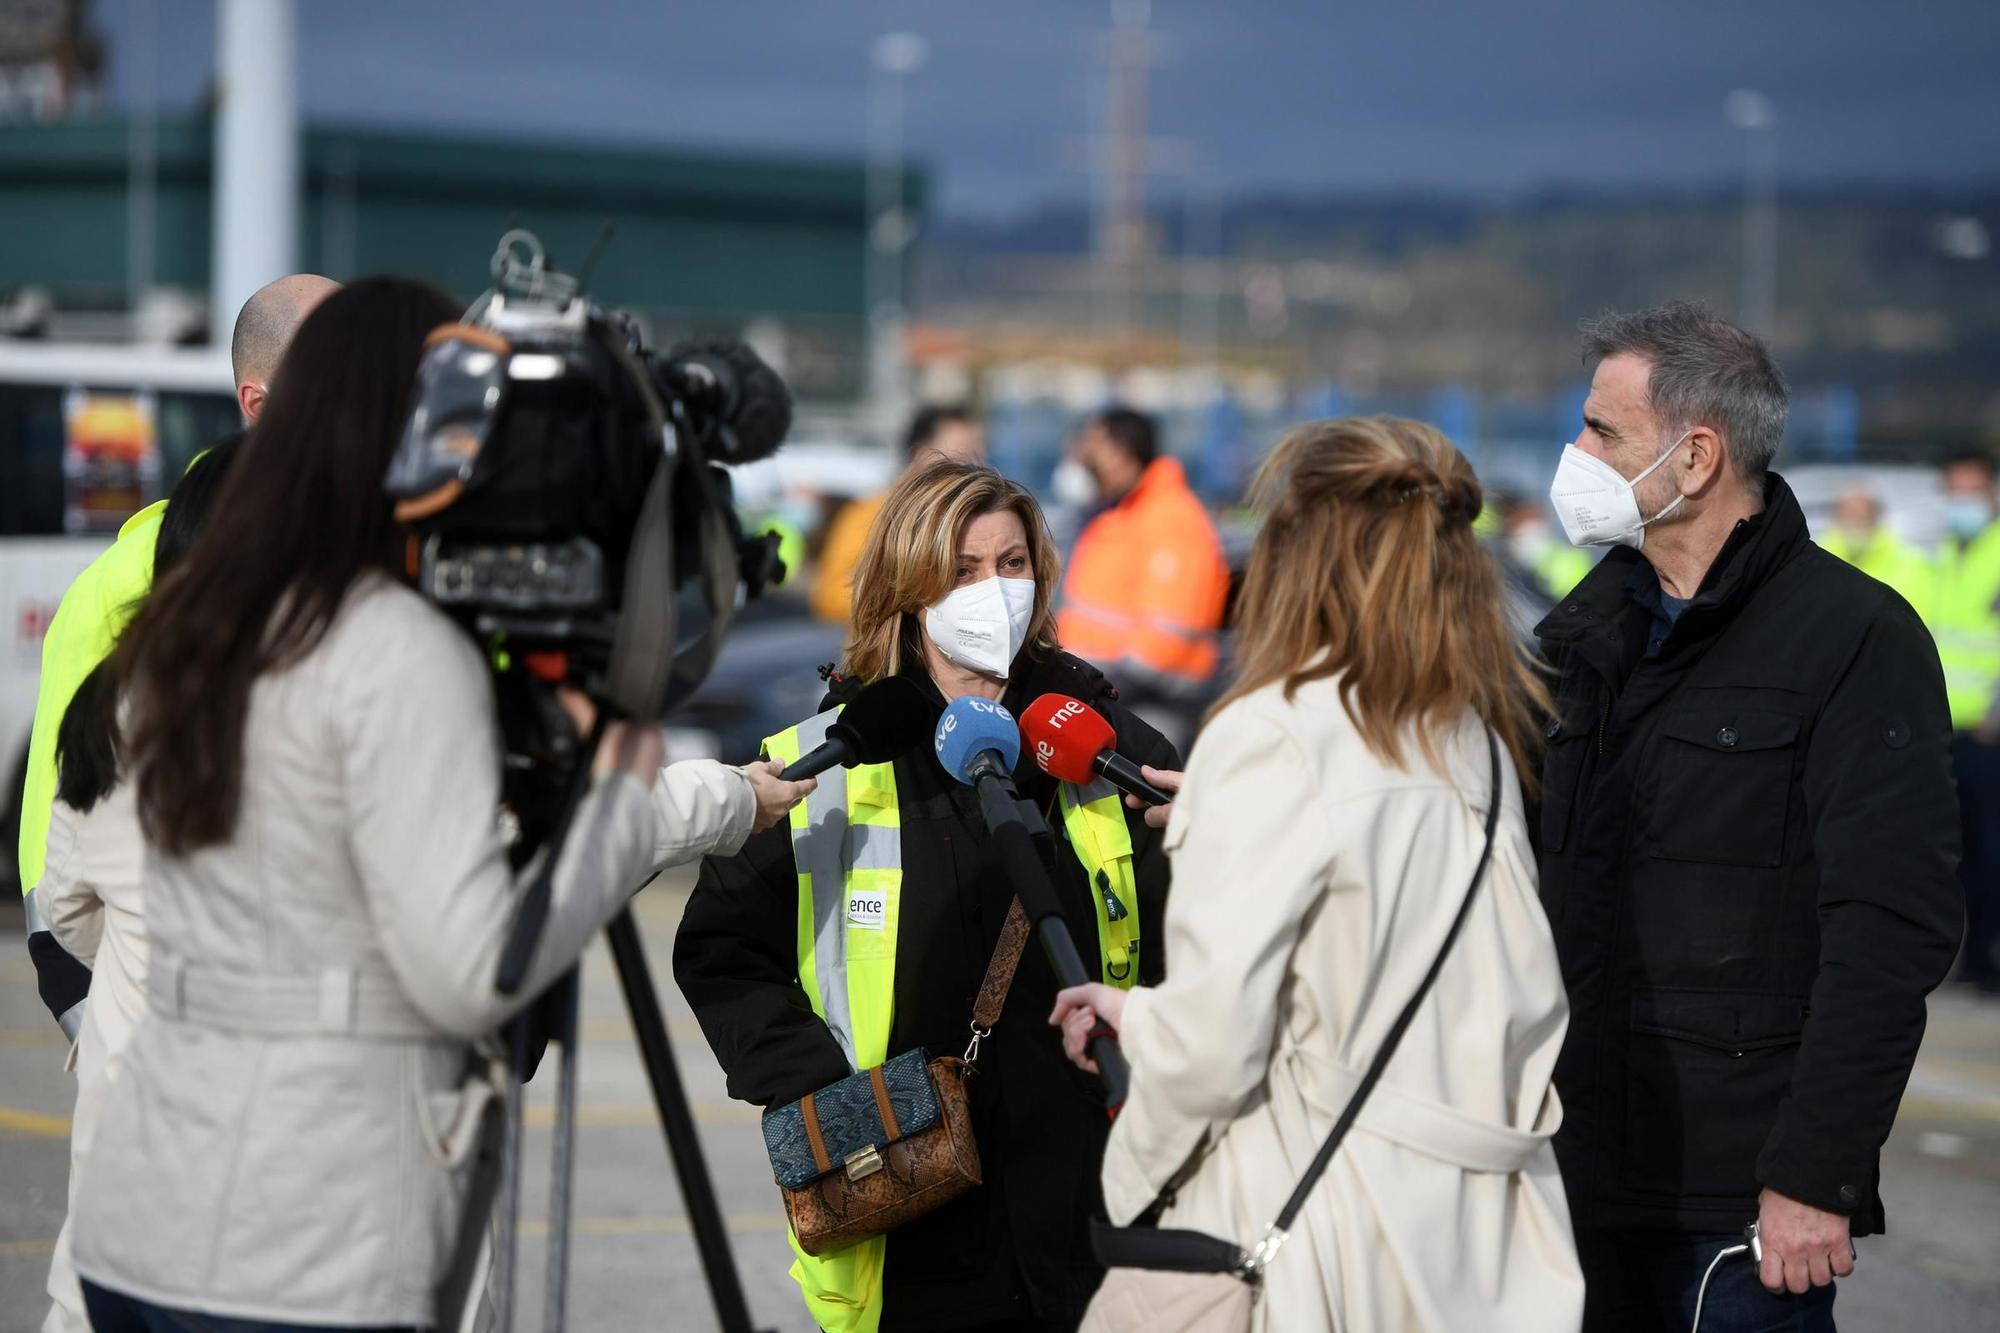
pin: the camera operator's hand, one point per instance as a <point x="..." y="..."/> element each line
<point x="630" y="747"/>
<point x="775" y="796"/>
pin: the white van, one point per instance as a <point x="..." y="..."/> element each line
<point x="88" y="435"/>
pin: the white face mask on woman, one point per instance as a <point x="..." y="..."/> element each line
<point x="1597" y="506"/>
<point x="982" y="625"/>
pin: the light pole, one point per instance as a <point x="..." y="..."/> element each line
<point x="1752" y="113"/>
<point x="256" y="226"/>
<point x="142" y="155"/>
<point x="892" y="57"/>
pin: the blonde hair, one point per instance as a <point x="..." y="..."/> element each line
<point x="1367" y="567"/>
<point x="911" y="559"/>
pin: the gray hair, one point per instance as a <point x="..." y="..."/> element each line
<point x="1704" y="372"/>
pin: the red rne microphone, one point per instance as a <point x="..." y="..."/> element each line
<point x="1072" y="742"/>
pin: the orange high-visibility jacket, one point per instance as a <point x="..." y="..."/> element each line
<point x="1147" y="584"/>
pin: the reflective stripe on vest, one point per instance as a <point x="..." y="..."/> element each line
<point x="1094" y="820"/>
<point x="1967" y="626"/>
<point x="846" y="849"/>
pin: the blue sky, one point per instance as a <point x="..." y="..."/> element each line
<point x="1493" y="96"/>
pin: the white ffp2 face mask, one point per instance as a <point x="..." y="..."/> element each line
<point x="1598" y="507"/>
<point x="982" y="625"/>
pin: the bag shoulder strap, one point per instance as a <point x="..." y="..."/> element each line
<point x="1000" y="972"/>
<point x="1373" y="1075"/>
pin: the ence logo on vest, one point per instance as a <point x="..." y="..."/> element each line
<point x="867" y="910"/>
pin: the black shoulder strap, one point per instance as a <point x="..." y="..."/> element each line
<point x="1290" y="1213"/>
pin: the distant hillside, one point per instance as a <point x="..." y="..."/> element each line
<point x="1895" y="292"/>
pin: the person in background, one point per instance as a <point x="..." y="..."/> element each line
<point x="1534" y="551"/>
<point x="1964" y="616"/>
<point x="1331" y="821"/>
<point x="1748" y="840"/>
<point x="935" y="432"/>
<point x="1858" y="536"/>
<point x="93" y="612"/>
<point x="1147" y="582"/>
<point x="90" y="885"/>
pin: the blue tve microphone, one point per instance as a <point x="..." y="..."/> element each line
<point x="977" y="738"/>
<point x="978" y="742"/>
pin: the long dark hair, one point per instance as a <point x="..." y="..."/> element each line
<point x="87" y="740"/>
<point x="301" y="518"/>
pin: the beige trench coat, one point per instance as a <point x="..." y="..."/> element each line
<point x="1313" y="885"/>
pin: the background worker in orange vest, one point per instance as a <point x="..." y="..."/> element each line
<point x="935" y="432"/>
<point x="1147" y="580"/>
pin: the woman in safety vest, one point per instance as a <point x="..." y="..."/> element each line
<point x="953" y="592"/>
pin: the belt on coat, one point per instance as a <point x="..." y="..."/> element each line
<point x="334" y="1002"/>
<point x="1425" y="1126"/>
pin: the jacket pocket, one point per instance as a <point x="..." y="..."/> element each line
<point x="1568" y="734"/>
<point x="1705" y="1072"/>
<point x="1725" y="782"/>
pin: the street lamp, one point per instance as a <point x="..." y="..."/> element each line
<point x="892" y="57"/>
<point x="1752" y="113"/>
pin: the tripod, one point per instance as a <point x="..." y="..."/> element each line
<point x="498" y="1177"/>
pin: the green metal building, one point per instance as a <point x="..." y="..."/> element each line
<point x="703" y="241"/>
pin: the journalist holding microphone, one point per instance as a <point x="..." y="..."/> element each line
<point x="880" y="922"/>
<point x="1338" y="865"/>
<point x="316" y="768"/>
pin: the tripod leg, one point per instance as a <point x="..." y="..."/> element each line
<point x="507" y="1241"/>
<point x="568" y="999"/>
<point x="711" y="1238"/>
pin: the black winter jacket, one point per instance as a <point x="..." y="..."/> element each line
<point x="1016" y="1248"/>
<point x="1748" y="848"/>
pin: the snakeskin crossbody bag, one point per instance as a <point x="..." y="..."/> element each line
<point x="861" y="1157"/>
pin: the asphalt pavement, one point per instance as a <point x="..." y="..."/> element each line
<point x="633" y="1258"/>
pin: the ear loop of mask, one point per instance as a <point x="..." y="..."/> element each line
<point x="1650" y="470"/>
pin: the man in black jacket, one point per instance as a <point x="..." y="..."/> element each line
<point x="1748" y="839"/>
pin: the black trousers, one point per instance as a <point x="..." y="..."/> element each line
<point x="1648" y="1281"/>
<point x="115" y="1312"/>
<point x="1976" y="766"/>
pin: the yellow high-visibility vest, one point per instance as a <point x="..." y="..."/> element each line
<point x="1886" y="558"/>
<point x="1966" y="625"/>
<point x="847" y="850"/>
<point x="86" y="626"/>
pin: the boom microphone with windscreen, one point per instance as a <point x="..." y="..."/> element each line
<point x="884" y="721"/>
<point x="1072" y="742"/>
<point x="978" y="742"/>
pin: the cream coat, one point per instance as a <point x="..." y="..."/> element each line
<point x="90" y="894"/>
<point x="305" y="1176"/>
<point x="1313" y="885"/>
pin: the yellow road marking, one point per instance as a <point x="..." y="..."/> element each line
<point x="538" y="1229"/>
<point x="1922" y="1106"/>
<point x="707" y="1113"/>
<point x="538" y="1117"/>
<point x="34" y="1122"/>
<point x="653" y="1226"/>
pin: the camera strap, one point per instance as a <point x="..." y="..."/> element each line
<point x="649" y="671"/>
